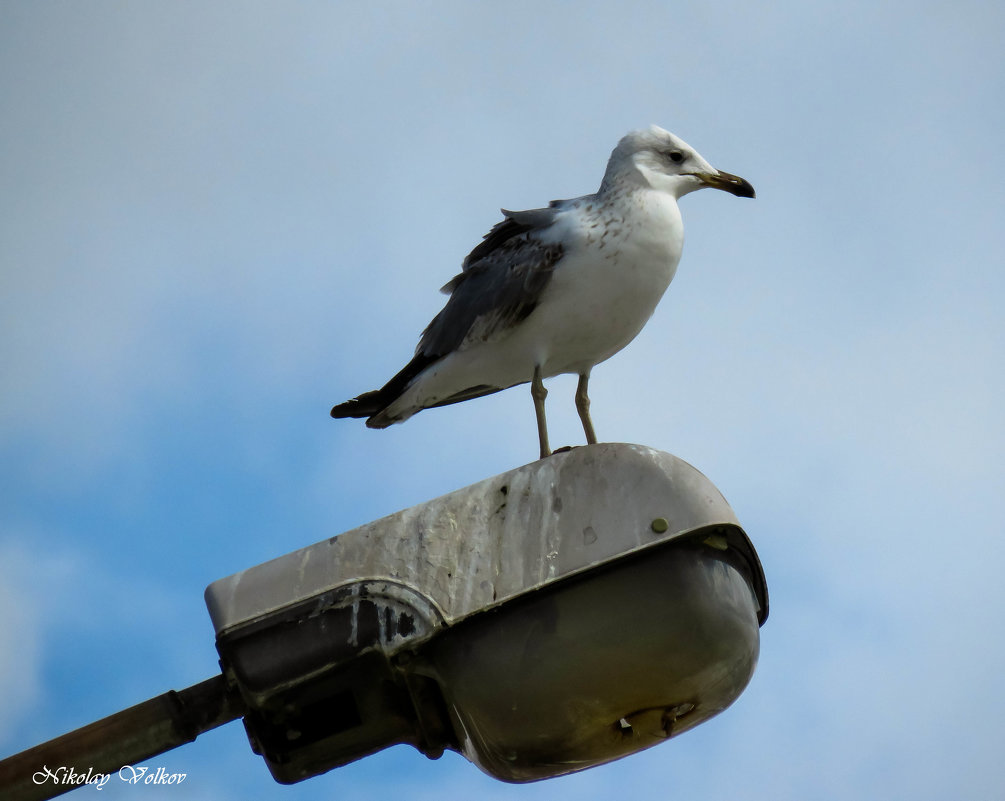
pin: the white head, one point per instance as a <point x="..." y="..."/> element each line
<point x="658" y="159"/>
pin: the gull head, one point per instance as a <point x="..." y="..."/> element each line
<point x="657" y="159"/>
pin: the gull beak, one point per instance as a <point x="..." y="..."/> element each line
<point x="733" y="184"/>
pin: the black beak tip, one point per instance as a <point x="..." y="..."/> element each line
<point x="740" y="187"/>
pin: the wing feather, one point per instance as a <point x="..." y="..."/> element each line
<point x="501" y="283"/>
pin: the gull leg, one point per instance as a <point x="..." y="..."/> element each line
<point x="583" y="407"/>
<point x="539" y="393"/>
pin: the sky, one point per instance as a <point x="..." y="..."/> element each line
<point x="217" y="219"/>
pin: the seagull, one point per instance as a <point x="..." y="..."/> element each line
<point x="555" y="290"/>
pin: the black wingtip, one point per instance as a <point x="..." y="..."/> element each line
<point x="354" y="407"/>
<point x="371" y="404"/>
<point x="365" y="405"/>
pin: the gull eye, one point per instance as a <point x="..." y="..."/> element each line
<point x="675" y="156"/>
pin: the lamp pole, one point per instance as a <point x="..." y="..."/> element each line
<point x="125" y="738"/>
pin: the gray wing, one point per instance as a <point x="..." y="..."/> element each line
<point x="501" y="283"/>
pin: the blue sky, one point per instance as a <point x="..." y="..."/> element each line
<point x="220" y="218"/>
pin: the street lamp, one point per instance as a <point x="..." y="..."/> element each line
<point x="559" y="616"/>
<point x="552" y="618"/>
